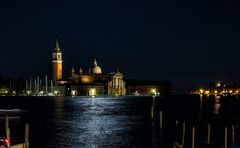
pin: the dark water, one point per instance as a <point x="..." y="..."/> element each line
<point x="75" y="122"/>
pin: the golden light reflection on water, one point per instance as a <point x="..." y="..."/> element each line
<point x="201" y="106"/>
<point x="217" y="105"/>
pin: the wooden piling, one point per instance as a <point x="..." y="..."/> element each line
<point x="225" y="139"/>
<point x="193" y="137"/>
<point x="209" y="134"/>
<point x="183" y="135"/>
<point x="8" y="137"/>
<point x="6" y="123"/>
<point x="7" y="129"/>
<point x="161" y="119"/>
<point x="233" y="134"/>
<point x="21" y="145"/>
<point x="26" y="143"/>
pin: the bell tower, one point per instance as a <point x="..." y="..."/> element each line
<point x="57" y="63"/>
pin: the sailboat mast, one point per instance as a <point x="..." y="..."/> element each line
<point x="46" y="85"/>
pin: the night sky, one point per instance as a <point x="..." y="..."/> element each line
<point x="187" y="42"/>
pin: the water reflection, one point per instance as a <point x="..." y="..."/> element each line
<point x="153" y="108"/>
<point x="217" y="105"/>
<point x="132" y="121"/>
<point x="93" y="122"/>
<point x="58" y="103"/>
<point x="201" y="107"/>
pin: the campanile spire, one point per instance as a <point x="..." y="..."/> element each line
<point x="57" y="62"/>
<point x="57" y="47"/>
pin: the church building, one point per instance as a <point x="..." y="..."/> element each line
<point x="91" y="83"/>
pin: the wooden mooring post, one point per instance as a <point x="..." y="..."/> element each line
<point x="233" y="134"/>
<point x="193" y="137"/>
<point x="183" y="135"/>
<point x="20" y="145"/>
<point x="6" y="123"/>
<point x="161" y="119"/>
<point x="152" y="113"/>
<point x="225" y="138"/>
<point x="209" y="134"/>
<point x="7" y="130"/>
<point x="26" y="143"/>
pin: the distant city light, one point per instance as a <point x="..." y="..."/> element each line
<point x="92" y="92"/>
<point x="28" y="92"/>
<point x="207" y="92"/>
<point x="73" y="92"/>
<point x="153" y="91"/>
<point x="218" y="84"/>
<point x="56" y="92"/>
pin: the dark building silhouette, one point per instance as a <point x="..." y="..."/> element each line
<point x="147" y="87"/>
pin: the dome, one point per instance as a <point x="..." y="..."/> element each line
<point x="95" y="69"/>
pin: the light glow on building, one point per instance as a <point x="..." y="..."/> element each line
<point x="207" y="92"/>
<point x="92" y="92"/>
<point x="154" y="91"/>
<point x="73" y="92"/>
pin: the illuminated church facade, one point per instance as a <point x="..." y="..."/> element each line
<point x="91" y="83"/>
